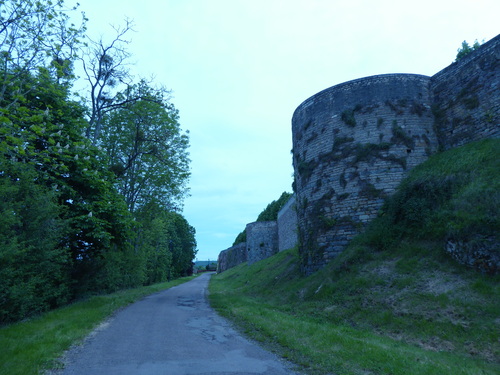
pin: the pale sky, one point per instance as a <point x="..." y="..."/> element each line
<point x="238" y="69"/>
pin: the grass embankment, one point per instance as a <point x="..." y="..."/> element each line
<point x="394" y="302"/>
<point x="33" y="346"/>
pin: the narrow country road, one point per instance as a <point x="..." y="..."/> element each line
<point x="174" y="332"/>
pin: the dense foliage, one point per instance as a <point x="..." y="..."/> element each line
<point x="80" y="216"/>
<point x="270" y="213"/>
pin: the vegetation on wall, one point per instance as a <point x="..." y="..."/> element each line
<point x="466" y="49"/>
<point x="79" y="214"/>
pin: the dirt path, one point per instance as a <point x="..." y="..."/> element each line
<point x="173" y="332"/>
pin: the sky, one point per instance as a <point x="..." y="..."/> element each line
<point x="239" y="68"/>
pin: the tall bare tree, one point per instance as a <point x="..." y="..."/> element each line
<point x="106" y="70"/>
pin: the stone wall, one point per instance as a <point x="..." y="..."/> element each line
<point x="466" y="100"/>
<point x="231" y="257"/>
<point x="262" y="240"/>
<point x="353" y="143"/>
<point x="287" y="225"/>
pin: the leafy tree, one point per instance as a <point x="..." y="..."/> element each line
<point x="167" y="243"/>
<point x="270" y="213"/>
<point x="70" y="222"/>
<point x="240" y="238"/>
<point x="466" y="49"/>
<point x="34" y="267"/>
<point x="34" y="34"/>
<point x="183" y="245"/>
<point x="147" y="150"/>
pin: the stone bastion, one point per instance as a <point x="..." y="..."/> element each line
<point x="352" y="145"/>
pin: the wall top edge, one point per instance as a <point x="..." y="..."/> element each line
<point x="362" y="81"/>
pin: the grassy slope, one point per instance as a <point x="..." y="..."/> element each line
<point x="32" y="346"/>
<point x="393" y="302"/>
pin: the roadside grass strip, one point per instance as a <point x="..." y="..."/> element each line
<point x="36" y="345"/>
<point x="320" y="347"/>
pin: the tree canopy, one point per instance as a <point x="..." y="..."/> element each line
<point x="81" y="212"/>
<point x="270" y="213"/>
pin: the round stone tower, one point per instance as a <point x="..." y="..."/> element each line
<point x="352" y="145"/>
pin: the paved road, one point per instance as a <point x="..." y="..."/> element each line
<point x="173" y="332"/>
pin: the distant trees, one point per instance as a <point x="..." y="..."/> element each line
<point x="270" y="213"/>
<point x="81" y="214"/>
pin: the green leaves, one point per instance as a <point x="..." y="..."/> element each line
<point x="147" y="150"/>
<point x="67" y="204"/>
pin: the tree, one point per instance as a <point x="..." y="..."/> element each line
<point x="166" y="241"/>
<point x="270" y="213"/>
<point x="147" y="150"/>
<point x="34" y="34"/>
<point x="34" y="267"/>
<point x="466" y="49"/>
<point x="105" y="67"/>
<point x="65" y="227"/>
<point x="182" y="245"/>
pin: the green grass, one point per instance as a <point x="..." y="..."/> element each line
<point x="355" y="322"/>
<point x="393" y="302"/>
<point x="35" y="345"/>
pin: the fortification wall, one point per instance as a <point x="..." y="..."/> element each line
<point x="232" y="256"/>
<point x="287" y="225"/>
<point x="262" y="240"/>
<point x="352" y="145"/>
<point x="466" y="100"/>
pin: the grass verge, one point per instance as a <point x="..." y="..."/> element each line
<point x="306" y="320"/>
<point x="34" y="346"/>
<point x="393" y="302"/>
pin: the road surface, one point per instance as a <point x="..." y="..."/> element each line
<point x="174" y="332"/>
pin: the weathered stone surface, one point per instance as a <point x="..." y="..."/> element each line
<point x="287" y="225"/>
<point x="480" y="253"/>
<point x="353" y="143"/>
<point x="262" y="240"/>
<point x="231" y="257"/>
<point x="466" y="99"/>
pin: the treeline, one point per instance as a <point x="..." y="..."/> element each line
<point x="270" y="213"/>
<point x="91" y="184"/>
